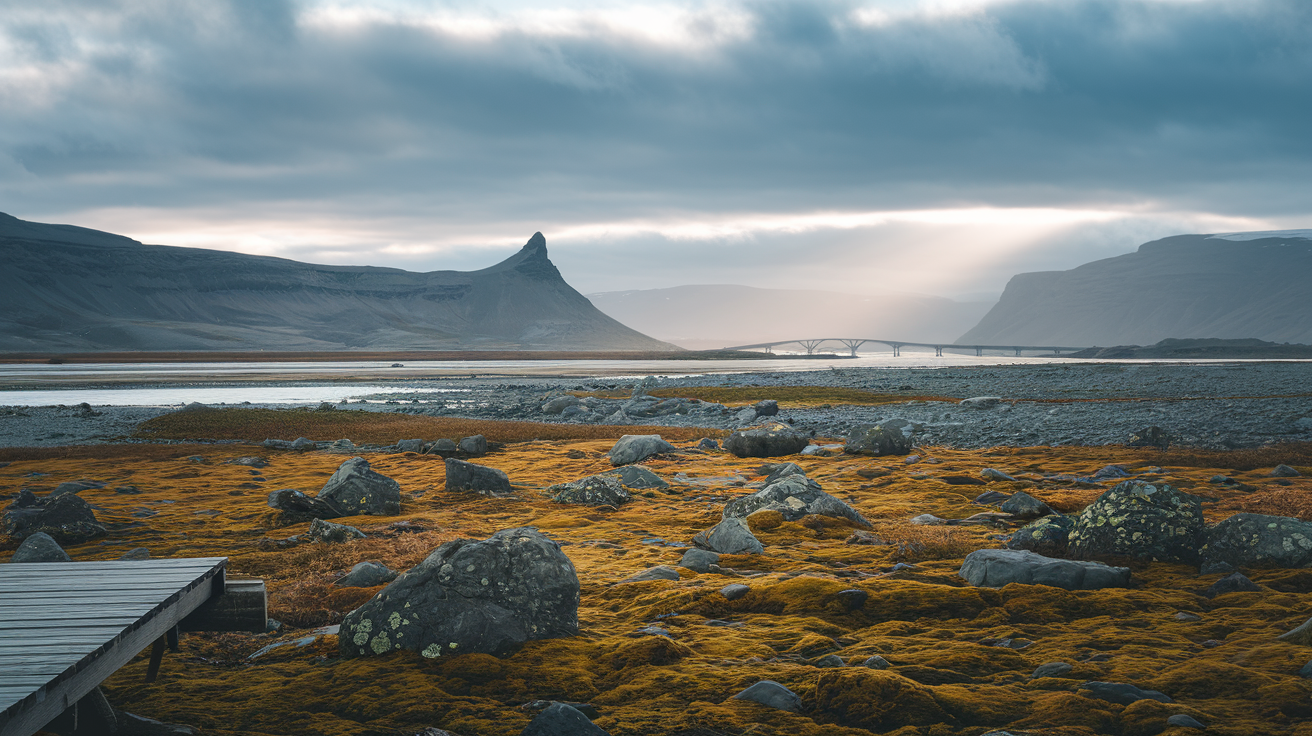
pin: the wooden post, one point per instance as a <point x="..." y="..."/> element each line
<point x="156" y="657"/>
<point x="172" y="637"/>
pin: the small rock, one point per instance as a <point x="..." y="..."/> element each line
<point x="329" y="532"/>
<point x="634" y="448"/>
<point x="734" y="591"/>
<point x="995" y="568"/>
<point x="127" y="490"/>
<point x="699" y="560"/>
<point x="830" y="660"/>
<point x="991" y="474"/>
<point x="860" y="536"/>
<point x="301" y="444"/>
<point x="1153" y="436"/>
<point x="981" y="402"/>
<point x="766" y="408"/>
<point x="1233" y="583"/>
<point x="443" y="447"/>
<point x="40" y="547"/>
<point x="1187" y="617"/>
<point x="595" y="490"/>
<point x="991" y="498"/>
<point x="853" y="598"/>
<point x="416" y="445"/>
<point x="1047" y="536"/>
<point x="708" y="444"/>
<point x="366" y="575"/>
<point x="731" y="537"/>
<point x="788" y="491"/>
<point x="136" y="553"/>
<point x="76" y="486"/>
<point x="297" y="506"/>
<point x="927" y="520"/>
<point x="875" y="662"/>
<point x="1024" y="506"/>
<point x="1216" y="568"/>
<point x="357" y="489"/>
<point x="476" y="445"/>
<point x="1305" y="671"/>
<point x="561" y="719"/>
<point x="1284" y="471"/>
<point x="559" y="404"/>
<point x="911" y="459"/>
<point x="638" y="478"/>
<point x="463" y="476"/>
<point x="1180" y="720"/>
<point x="1221" y="480"/>
<point x="775" y="440"/>
<point x="659" y="572"/>
<point x="1122" y="693"/>
<point x="576" y="454"/>
<point x="772" y="694"/>
<point x="1110" y="472"/>
<point x="1052" y="669"/>
<point x="877" y="440"/>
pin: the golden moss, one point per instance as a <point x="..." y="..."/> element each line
<point x="935" y="630"/>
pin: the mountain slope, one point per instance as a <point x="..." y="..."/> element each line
<point x="715" y="316"/>
<point x="66" y="288"/>
<point x="1242" y="285"/>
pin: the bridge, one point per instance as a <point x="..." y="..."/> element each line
<point x="852" y="344"/>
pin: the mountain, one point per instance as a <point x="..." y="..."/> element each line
<point x="1232" y="286"/>
<point x="1210" y="348"/>
<point x="715" y="316"/>
<point x="66" y="288"/>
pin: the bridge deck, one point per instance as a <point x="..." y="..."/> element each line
<point x="66" y="626"/>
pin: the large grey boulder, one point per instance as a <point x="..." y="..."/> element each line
<point x="594" y="490"/>
<point x="1140" y="521"/>
<point x="772" y="694"/>
<point x="475" y="445"/>
<point x="766" y="408"/>
<point x="1258" y="540"/>
<point x="775" y="440"/>
<point x="878" y="440"/>
<point x="699" y="560"/>
<point x="638" y="478"/>
<point x="357" y="489"/>
<point x="561" y="719"/>
<point x="634" y="448"/>
<point x="463" y="476"/>
<point x="788" y="491"/>
<point x="1283" y="471"/>
<point x="1047" y="536"/>
<point x="994" y="568"/>
<point x="40" y="547"/>
<point x="729" y="537"/>
<point x="67" y="519"/>
<point x="484" y="596"/>
<point x="297" y="507"/>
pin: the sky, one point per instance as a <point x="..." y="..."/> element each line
<point x="934" y="146"/>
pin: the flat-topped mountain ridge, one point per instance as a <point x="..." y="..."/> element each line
<point x="1235" y="286"/>
<point x="67" y="288"/>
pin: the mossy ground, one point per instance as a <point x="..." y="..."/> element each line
<point x="934" y="629"/>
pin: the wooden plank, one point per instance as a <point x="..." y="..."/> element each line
<point x="20" y="616"/>
<point x="111" y="577"/>
<point x="81" y="568"/>
<point x="69" y="624"/>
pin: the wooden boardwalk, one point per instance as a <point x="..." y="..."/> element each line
<point x="66" y="626"/>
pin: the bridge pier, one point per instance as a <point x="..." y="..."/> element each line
<point x="1017" y="352"/>
<point x="979" y="352"/>
<point x="810" y="345"/>
<point x="897" y="350"/>
<point x="853" y="345"/>
<point x="938" y="351"/>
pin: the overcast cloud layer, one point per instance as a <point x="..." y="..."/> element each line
<point x="928" y="146"/>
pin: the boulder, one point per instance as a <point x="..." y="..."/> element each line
<point x="1111" y="472"/>
<point x="1140" y="521"/>
<point x="634" y="448"/>
<point x="297" y="507"/>
<point x="992" y="474"/>
<point x="67" y="519"/>
<point x="463" y="476"/>
<point x="559" y="404"/>
<point x="475" y="445"/>
<point x="729" y="537"/>
<point x="638" y="478"/>
<point x="734" y="591"/>
<point x="991" y="498"/>
<point x="788" y="491"/>
<point x="745" y="415"/>
<point x="775" y="440"/>
<point x="366" y="575"/>
<point x="357" y="489"/>
<point x="410" y="445"/>
<point x="1052" y="669"/>
<point x="877" y="439"/>
<point x="443" y="447"/>
<point x="1047" y="536"/>
<point x="561" y="719"/>
<point x="328" y="532"/>
<point x="766" y="408"/>
<point x="40" y="547"/>
<point x="1153" y="436"/>
<point x="994" y="568"/>
<point x="1024" y="506"/>
<point x="251" y="461"/>
<point x="699" y="560"/>
<point x="1235" y="582"/>
<point x="594" y="490"/>
<point x="302" y="444"/>
<point x="981" y="402"/>
<point x="875" y="662"/>
<point x="484" y="596"/>
<point x="1258" y="540"/>
<point x="1122" y="693"/>
<point x="1283" y="471"/>
<point x="708" y="444"/>
<point x="772" y="694"/>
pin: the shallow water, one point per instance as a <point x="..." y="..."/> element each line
<point x="173" y="396"/>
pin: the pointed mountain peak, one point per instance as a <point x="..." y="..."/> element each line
<point x="537" y="242"/>
<point x="531" y="260"/>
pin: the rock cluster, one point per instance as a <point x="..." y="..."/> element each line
<point x="788" y="491"/>
<point x="66" y="519"/>
<point x="354" y="489"/>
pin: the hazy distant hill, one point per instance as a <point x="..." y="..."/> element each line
<point x="1201" y="348"/>
<point x="1242" y="285"/>
<point x="715" y="316"/>
<point x="65" y="288"/>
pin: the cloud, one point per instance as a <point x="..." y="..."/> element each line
<point x="435" y="134"/>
